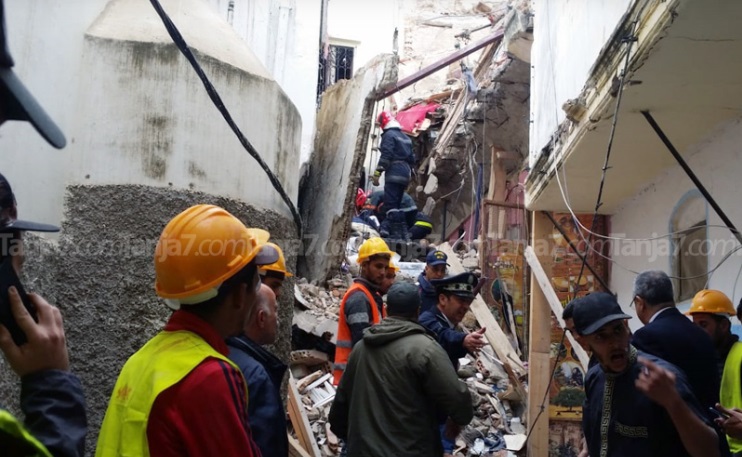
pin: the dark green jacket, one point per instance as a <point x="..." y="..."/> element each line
<point x="397" y="381"/>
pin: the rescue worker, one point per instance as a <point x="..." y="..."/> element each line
<point x="180" y="395"/>
<point x="362" y="305"/>
<point x="389" y="277"/>
<point x="52" y="400"/>
<point x="455" y="295"/>
<point x="397" y="382"/>
<point x="396" y="162"/>
<point x="264" y="374"/>
<point x="273" y="275"/>
<point x="710" y="310"/>
<point x="422" y="227"/>
<point x="436" y="263"/>
<point x="375" y="204"/>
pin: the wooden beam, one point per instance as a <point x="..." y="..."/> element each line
<point x="554" y="303"/>
<point x="442" y="63"/>
<point x="539" y="373"/>
<point x="300" y="421"/>
<point x="495" y="336"/>
<point x="489" y="202"/>
<point x="295" y="449"/>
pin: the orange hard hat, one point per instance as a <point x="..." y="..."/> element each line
<point x="201" y="248"/>
<point x="371" y="247"/>
<point x="712" y="301"/>
<point x="279" y="266"/>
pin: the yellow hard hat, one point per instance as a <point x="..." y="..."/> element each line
<point x="712" y="301"/>
<point x="262" y="236"/>
<point x="393" y="265"/>
<point x="279" y="265"/>
<point x="201" y="248"/>
<point x="371" y="247"/>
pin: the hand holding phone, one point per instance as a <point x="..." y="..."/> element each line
<point x="8" y="279"/>
<point x="718" y="414"/>
<point x="46" y="346"/>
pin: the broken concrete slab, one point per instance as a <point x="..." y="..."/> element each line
<point x="343" y="127"/>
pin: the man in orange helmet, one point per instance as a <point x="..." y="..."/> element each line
<point x="711" y="310"/>
<point x="362" y="305"/>
<point x="273" y="275"/>
<point x="180" y="394"/>
<point x="396" y="162"/>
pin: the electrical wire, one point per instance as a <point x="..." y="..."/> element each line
<point x="217" y="100"/>
<point x="629" y="39"/>
<point x="546" y="394"/>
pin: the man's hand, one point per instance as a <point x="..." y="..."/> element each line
<point x="657" y="383"/>
<point x="732" y="425"/>
<point x="452" y="429"/>
<point x="46" y="348"/>
<point x="474" y="341"/>
<point x="583" y="451"/>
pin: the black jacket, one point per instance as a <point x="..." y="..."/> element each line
<point x="265" y="412"/>
<point x="636" y="426"/>
<point x="674" y="338"/>
<point x="54" y="407"/>
<point x="428" y="297"/>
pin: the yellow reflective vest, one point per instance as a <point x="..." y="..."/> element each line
<point x="731" y="387"/>
<point x="161" y="363"/>
<point x="23" y="441"/>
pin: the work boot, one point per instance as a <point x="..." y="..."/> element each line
<point x="385" y="229"/>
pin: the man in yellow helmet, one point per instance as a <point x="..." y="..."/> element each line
<point x="180" y="395"/>
<point x="711" y="310"/>
<point x="362" y="305"/>
<point x="274" y="274"/>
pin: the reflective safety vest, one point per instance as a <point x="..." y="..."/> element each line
<point x="344" y="343"/>
<point x="731" y="388"/>
<point x="21" y="441"/>
<point x="161" y="363"/>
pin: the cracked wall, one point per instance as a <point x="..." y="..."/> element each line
<point x="328" y="189"/>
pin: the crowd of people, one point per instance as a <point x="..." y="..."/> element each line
<point x="205" y="385"/>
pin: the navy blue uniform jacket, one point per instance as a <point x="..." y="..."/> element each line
<point x="451" y="340"/>
<point x="265" y="412"/>
<point x="428" y="297"/>
<point x="54" y="406"/>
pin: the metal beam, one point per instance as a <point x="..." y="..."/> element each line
<point x="446" y="61"/>
<point x="692" y="175"/>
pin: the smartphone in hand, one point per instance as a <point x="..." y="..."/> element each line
<point x="8" y="278"/>
<point x="717" y="414"/>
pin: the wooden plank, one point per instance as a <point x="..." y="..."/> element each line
<point x="300" y="421"/>
<point x="554" y="303"/>
<point x="295" y="449"/>
<point x="539" y="367"/>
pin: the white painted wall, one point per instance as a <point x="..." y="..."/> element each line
<point x="717" y="163"/>
<point x="568" y="37"/>
<point x="284" y="35"/>
<point x="370" y="24"/>
<point x="103" y="108"/>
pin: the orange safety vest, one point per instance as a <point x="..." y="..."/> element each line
<point x="344" y="342"/>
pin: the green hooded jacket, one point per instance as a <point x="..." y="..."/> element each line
<point x="397" y="385"/>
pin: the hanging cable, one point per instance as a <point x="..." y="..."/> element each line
<point x="630" y="39"/>
<point x="217" y="100"/>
